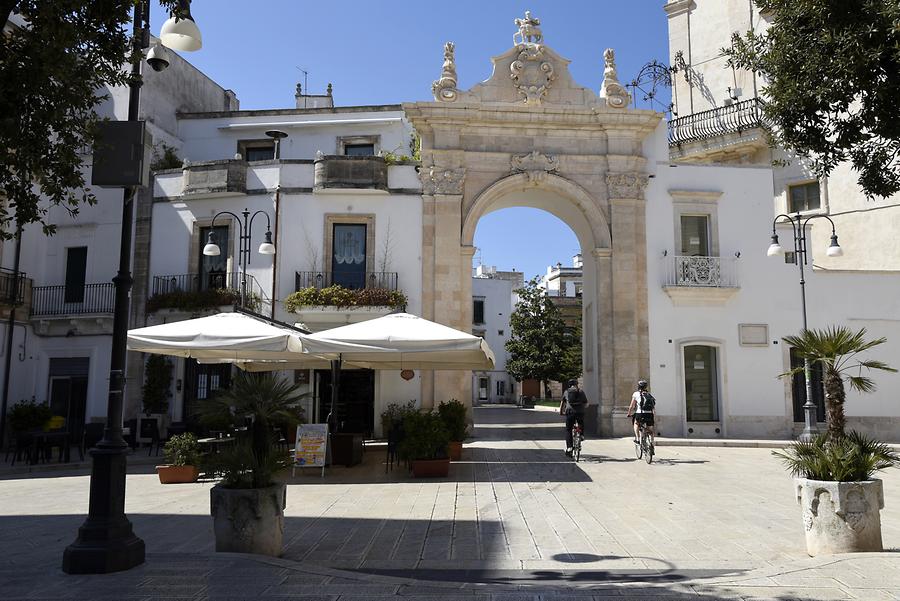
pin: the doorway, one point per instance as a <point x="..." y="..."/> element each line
<point x="68" y="388"/>
<point x="201" y="380"/>
<point x="701" y="383"/>
<point x="355" y="410"/>
<point x="798" y="389"/>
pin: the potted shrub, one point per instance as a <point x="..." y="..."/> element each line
<point x="453" y="414"/>
<point x="156" y="392"/>
<point x="834" y="472"/>
<point x="247" y="504"/>
<point x="424" y="445"/>
<point x="182" y="453"/>
<point x="393" y="416"/>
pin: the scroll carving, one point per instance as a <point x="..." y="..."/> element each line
<point x="535" y="165"/>
<point x="615" y="93"/>
<point x="439" y="180"/>
<point x="626" y="185"/>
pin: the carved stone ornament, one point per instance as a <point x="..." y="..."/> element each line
<point x="444" y="89"/>
<point x="439" y="180"/>
<point x="626" y="185"/>
<point x="529" y="30"/>
<point x="615" y="93"/>
<point x="531" y="74"/>
<point x="535" y="165"/>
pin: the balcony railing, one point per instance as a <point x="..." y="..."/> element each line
<point x="353" y="280"/>
<point x="194" y="282"/>
<point x="12" y="289"/>
<point x="735" y="118"/>
<point x="701" y="272"/>
<point x="91" y="299"/>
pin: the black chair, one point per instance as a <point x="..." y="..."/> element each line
<point x="395" y="436"/>
<point x="22" y="448"/>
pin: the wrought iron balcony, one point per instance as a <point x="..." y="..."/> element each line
<point x="194" y="282"/>
<point x="354" y="280"/>
<point x="90" y="299"/>
<point x="735" y="118"/>
<point x="12" y="289"/>
<point x="701" y="272"/>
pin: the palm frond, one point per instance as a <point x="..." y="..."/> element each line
<point x="861" y="383"/>
<point x="851" y="458"/>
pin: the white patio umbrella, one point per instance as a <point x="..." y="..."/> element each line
<point x="225" y="337"/>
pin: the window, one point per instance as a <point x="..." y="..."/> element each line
<point x="348" y="256"/>
<point x="701" y="383"/>
<point x="257" y="150"/>
<point x="803" y="197"/>
<point x="500" y="332"/>
<point x="478" y="310"/>
<point x="358" y="150"/>
<point x="501" y="388"/>
<point x="483" y="384"/>
<point x="213" y="269"/>
<point x="76" y="270"/>
<point x="695" y="235"/>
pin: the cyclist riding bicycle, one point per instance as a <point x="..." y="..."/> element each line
<point x="572" y="405"/>
<point x="642" y="409"/>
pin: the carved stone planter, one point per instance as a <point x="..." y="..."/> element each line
<point x="177" y="474"/>
<point x="248" y="520"/>
<point x="841" y="517"/>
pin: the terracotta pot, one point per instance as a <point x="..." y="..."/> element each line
<point x="455" y="450"/>
<point x="431" y="468"/>
<point x="177" y="474"/>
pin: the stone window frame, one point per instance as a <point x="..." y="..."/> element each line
<point x="700" y="203"/>
<point x="823" y="197"/>
<point x="243" y="145"/>
<point x="723" y="406"/>
<point x="483" y="300"/>
<point x="197" y="243"/>
<point x="367" y="219"/>
<point x="344" y="141"/>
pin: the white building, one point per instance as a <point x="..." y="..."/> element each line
<point x="62" y="338"/>
<point x="493" y="300"/>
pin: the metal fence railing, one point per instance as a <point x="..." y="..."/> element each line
<point x="12" y="288"/>
<point x="710" y="272"/>
<point x="734" y="118"/>
<point x="71" y="300"/>
<point x="355" y="279"/>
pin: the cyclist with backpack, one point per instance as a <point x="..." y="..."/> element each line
<point x="642" y="409"/>
<point x="572" y="405"/>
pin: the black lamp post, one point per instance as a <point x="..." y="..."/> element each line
<point x="106" y="542"/>
<point x="244" y="242"/>
<point x="798" y="227"/>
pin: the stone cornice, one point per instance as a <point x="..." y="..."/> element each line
<point x="674" y="8"/>
<point x="705" y="196"/>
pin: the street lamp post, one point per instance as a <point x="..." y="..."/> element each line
<point x="244" y="242"/>
<point x="106" y="541"/>
<point x="798" y="227"/>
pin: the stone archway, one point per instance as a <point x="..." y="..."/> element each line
<point x="530" y="136"/>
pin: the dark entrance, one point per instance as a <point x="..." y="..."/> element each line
<point x="798" y="389"/>
<point x="200" y="381"/>
<point x="68" y="390"/>
<point x="356" y="402"/>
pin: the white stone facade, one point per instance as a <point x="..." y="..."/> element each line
<point x="495" y="291"/>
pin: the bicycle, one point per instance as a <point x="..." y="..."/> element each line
<point x="644" y="446"/>
<point x="577" y="437"/>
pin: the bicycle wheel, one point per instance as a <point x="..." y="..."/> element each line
<point x="648" y="452"/>
<point x="576" y="447"/>
<point x="639" y="445"/>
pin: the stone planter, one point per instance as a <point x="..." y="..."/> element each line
<point x="248" y="520"/>
<point x="431" y="468"/>
<point x="454" y="449"/>
<point x="177" y="474"/>
<point x="841" y="517"/>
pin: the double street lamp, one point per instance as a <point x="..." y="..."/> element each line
<point x="106" y="541"/>
<point x="244" y="243"/>
<point x="798" y="227"/>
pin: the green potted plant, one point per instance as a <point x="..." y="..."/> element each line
<point x="453" y="415"/>
<point x="834" y="482"/>
<point x="394" y="415"/>
<point x="247" y="504"/>
<point x="156" y="392"/>
<point x="424" y="445"/>
<point x="182" y="453"/>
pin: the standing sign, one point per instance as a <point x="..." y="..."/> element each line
<point x="311" y="446"/>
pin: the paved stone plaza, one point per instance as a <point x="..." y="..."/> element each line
<point x="515" y="520"/>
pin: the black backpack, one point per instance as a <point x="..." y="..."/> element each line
<point x="576" y="400"/>
<point x="648" y="403"/>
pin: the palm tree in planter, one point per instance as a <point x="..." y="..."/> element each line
<point x="453" y="414"/>
<point x="424" y="445"/>
<point x="248" y="504"/>
<point x="834" y="472"/>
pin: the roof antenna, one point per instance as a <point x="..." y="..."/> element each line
<point x="305" y="83"/>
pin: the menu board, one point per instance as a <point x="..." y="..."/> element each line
<point x="311" y="446"/>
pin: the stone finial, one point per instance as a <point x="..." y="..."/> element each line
<point x="299" y="91"/>
<point x="615" y="93"/>
<point x="444" y="89"/>
<point x="529" y="30"/>
<point x="329" y="89"/>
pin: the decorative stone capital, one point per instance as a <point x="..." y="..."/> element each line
<point x="439" y="180"/>
<point x="535" y="165"/>
<point x="468" y="251"/>
<point x="444" y="89"/>
<point x="626" y="185"/>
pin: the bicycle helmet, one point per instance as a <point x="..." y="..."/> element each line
<point x="642" y="384"/>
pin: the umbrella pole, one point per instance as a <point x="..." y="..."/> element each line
<point x="335" y="389"/>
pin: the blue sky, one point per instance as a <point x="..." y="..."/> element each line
<point x="390" y="52"/>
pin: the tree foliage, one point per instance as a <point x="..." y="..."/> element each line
<point x="831" y="90"/>
<point x="541" y="346"/>
<point x="56" y="65"/>
<point x="836" y="349"/>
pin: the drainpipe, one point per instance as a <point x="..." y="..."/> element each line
<point x="10" y="332"/>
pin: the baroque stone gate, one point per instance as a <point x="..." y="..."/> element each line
<point x="529" y="136"/>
